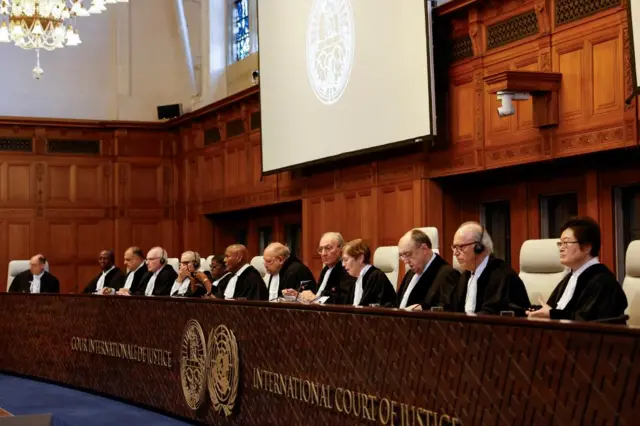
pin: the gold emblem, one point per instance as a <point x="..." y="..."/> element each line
<point x="193" y="364"/>
<point x="224" y="368"/>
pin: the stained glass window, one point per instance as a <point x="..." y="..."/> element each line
<point x="240" y="30"/>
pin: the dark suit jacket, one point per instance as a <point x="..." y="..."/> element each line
<point x="21" y="283"/>
<point x="138" y="276"/>
<point x="338" y="285"/>
<point x="435" y="287"/>
<point x="597" y="296"/>
<point x="163" y="284"/>
<point x="112" y="280"/>
<point x="250" y="285"/>
<point x="294" y="272"/>
<point x="376" y="288"/>
<point x="499" y="289"/>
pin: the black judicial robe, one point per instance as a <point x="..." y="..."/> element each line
<point x="138" y="276"/>
<point x="338" y="286"/>
<point x="164" y="281"/>
<point x="598" y="296"/>
<point x="292" y="273"/>
<point x="22" y="283"/>
<point x="434" y="288"/>
<point x="376" y="288"/>
<point x="250" y="286"/>
<point x="112" y="280"/>
<point x="499" y="289"/>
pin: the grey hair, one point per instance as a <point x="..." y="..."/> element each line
<point x="335" y="236"/>
<point x="479" y="233"/>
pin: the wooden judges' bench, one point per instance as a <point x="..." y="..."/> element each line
<point x="325" y="365"/>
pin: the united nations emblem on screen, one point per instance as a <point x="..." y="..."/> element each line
<point x="330" y="48"/>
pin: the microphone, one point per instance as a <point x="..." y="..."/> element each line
<point x="303" y="286"/>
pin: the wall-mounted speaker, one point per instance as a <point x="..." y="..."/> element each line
<point x="166" y="112"/>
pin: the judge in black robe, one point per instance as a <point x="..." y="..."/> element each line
<point x="437" y="279"/>
<point x="287" y="269"/>
<point x="339" y="284"/>
<point x="499" y="289"/>
<point x="138" y="276"/>
<point x="112" y="274"/>
<point x="249" y="285"/>
<point x="597" y="296"/>
<point x="590" y="292"/>
<point x="164" y="281"/>
<point x="22" y="283"/>
<point x="434" y="287"/>
<point x="376" y="287"/>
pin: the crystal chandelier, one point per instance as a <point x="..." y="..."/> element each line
<point x="45" y="24"/>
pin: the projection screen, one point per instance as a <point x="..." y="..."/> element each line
<point x="342" y="76"/>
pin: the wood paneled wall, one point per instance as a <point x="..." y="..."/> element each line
<point x="71" y="206"/>
<point x="156" y="183"/>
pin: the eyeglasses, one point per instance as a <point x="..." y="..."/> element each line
<point x="459" y="247"/>
<point x="562" y="244"/>
<point x="325" y="248"/>
<point x="405" y="255"/>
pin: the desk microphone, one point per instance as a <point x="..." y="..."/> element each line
<point x="303" y="286"/>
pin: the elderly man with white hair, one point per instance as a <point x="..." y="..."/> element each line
<point x="286" y="271"/>
<point x="335" y="283"/>
<point x="488" y="286"/>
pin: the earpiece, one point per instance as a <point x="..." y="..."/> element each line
<point x="196" y="260"/>
<point x="478" y="247"/>
<point x="163" y="258"/>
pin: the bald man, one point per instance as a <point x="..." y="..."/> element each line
<point x="109" y="278"/>
<point x="161" y="276"/>
<point x="35" y="279"/>
<point x="243" y="280"/>
<point x="488" y="286"/>
<point x="429" y="280"/>
<point x="286" y="271"/>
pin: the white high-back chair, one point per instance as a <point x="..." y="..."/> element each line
<point x="205" y="263"/>
<point x="258" y="263"/>
<point x="540" y="268"/>
<point x="388" y="261"/>
<point x="631" y="283"/>
<point x="17" y="266"/>
<point x="432" y="233"/>
<point x="174" y="262"/>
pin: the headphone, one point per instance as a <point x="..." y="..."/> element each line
<point x="163" y="257"/>
<point x="196" y="260"/>
<point x="478" y="247"/>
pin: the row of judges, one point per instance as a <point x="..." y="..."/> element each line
<point x="487" y="285"/>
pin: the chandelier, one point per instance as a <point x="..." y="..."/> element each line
<point x="45" y="24"/>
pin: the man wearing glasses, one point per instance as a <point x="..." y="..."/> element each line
<point x="335" y="283"/>
<point x="590" y="292"/>
<point x="160" y="278"/>
<point x="488" y="286"/>
<point x="429" y="280"/>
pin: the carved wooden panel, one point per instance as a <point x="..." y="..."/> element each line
<point x="572" y="10"/>
<point x="62" y="241"/>
<point x="607" y="85"/>
<point x="512" y="29"/>
<point x="89" y="185"/>
<point x="461" y="48"/>
<point x="570" y="64"/>
<point x="462" y="107"/>
<point x="360" y="217"/>
<point x="19" y="241"/>
<point x="16" y="144"/>
<point x="145" y="234"/>
<point x="93" y="237"/>
<point x="17" y="178"/>
<point x="145" y="184"/>
<point x="396" y="204"/>
<point x="59" y="179"/>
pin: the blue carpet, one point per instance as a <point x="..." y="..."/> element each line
<point x="73" y="408"/>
